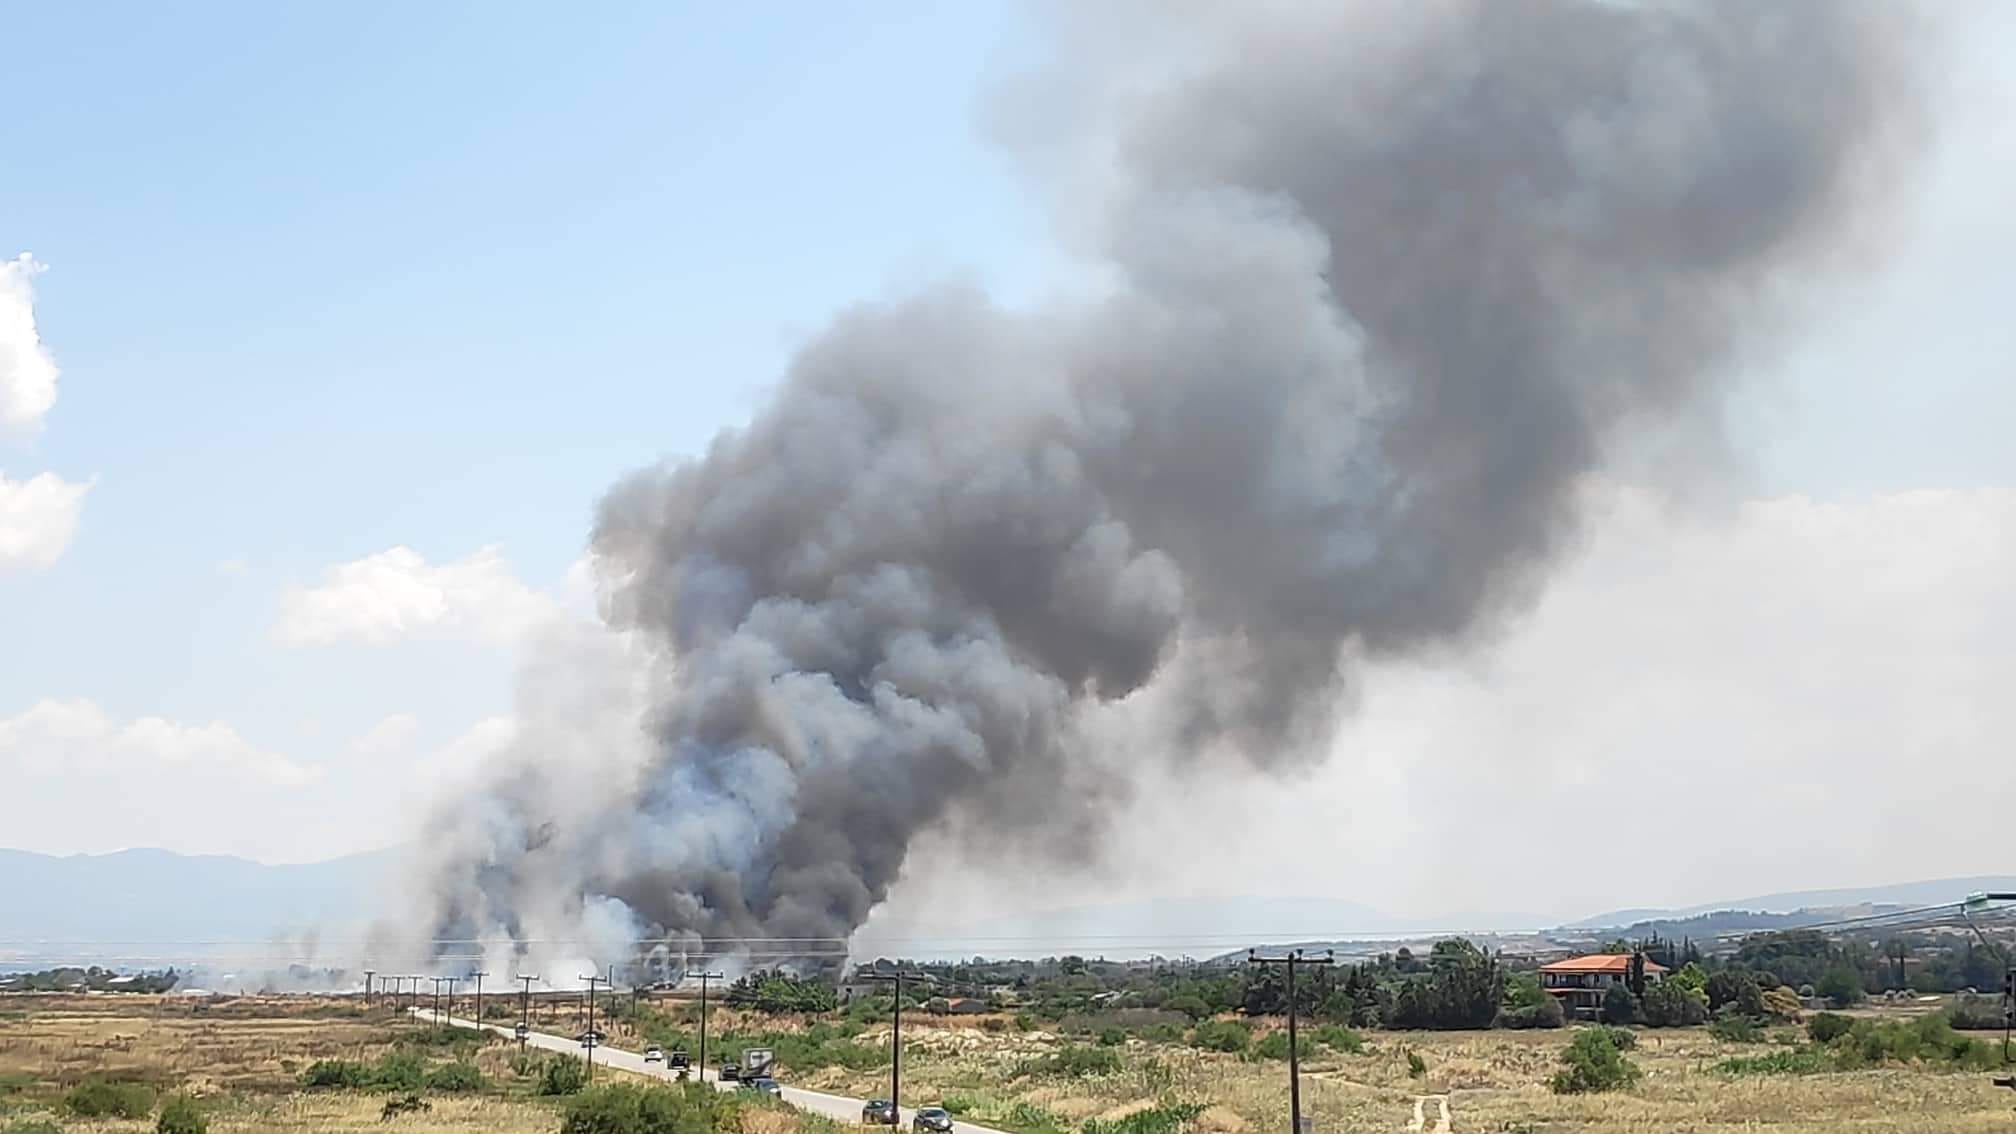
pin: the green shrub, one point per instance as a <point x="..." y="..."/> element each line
<point x="562" y="1076"/>
<point x="1221" y="1035"/>
<point x="1112" y="1037"/>
<point x="1024" y="1023"/>
<point x="1078" y="1062"/>
<point x="179" y="1115"/>
<point x="1828" y="1027"/>
<point x="1841" y="985"/>
<point x="1619" y="1006"/>
<point x="31" y="1126"/>
<point x="1274" y="1045"/>
<point x="1164" y="1119"/>
<point x="1028" y="1118"/>
<point x="1339" y="1038"/>
<point x="104" y="1098"/>
<point x="1734" y="1027"/>
<point x="1547" y="1014"/>
<point x="623" y="1108"/>
<point x="399" y="1071"/>
<point x="1785" y="1061"/>
<point x="336" y="1073"/>
<point x="459" y="1076"/>
<point x="1416" y="1066"/>
<point x="1593" y="1062"/>
<point x="1191" y="1006"/>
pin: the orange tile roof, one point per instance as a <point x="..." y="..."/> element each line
<point x="1600" y="963"/>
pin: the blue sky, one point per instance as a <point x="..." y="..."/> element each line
<point x="325" y="281"/>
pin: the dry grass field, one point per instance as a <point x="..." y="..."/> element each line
<point x="244" y="1059"/>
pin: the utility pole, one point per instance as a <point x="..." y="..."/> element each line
<point x="895" y="1045"/>
<point x="435" y="1011"/>
<point x="1294" y="957"/>
<point x="368" y="974"/>
<point x="448" y="1020"/>
<point x="704" y="978"/>
<point x="479" y="975"/>
<point x="589" y="1040"/>
<point x="524" y="1010"/>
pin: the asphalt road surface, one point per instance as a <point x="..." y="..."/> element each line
<point x="818" y="1102"/>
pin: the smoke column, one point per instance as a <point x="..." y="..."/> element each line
<point x="1389" y="281"/>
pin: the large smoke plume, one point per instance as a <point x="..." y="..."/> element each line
<point x="1387" y="283"/>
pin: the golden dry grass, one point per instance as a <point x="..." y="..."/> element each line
<point x="1497" y="1081"/>
<point x="245" y="1059"/>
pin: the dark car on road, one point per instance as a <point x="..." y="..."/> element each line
<point x="878" y="1112"/>
<point x="679" y="1060"/>
<point x="764" y="1084"/>
<point x="730" y="1072"/>
<point x="932" y="1120"/>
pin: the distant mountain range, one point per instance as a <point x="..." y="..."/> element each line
<point x="146" y="897"/>
<point x="130" y="901"/>
<point x="1926" y="893"/>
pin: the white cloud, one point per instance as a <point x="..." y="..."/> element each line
<point x="38" y="517"/>
<point x="27" y="372"/>
<point x="77" y="737"/>
<point x="396" y="594"/>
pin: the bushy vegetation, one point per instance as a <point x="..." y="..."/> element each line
<point x="1671" y="1004"/>
<point x="31" y="1126"/>
<point x="1593" y="1062"/>
<point x="1164" y="1119"/>
<point x="1619" y="1006"/>
<point x="98" y="1097"/>
<point x="1853" y="1044"/>
<point x="1274" y="1045"/>
<point x="1547" y="1015"/>
<point x="1336" y="1037"/>
<point x="562" y="1076"/>
<point x="1734" y="1027"/>
<point x="778" y="991"/>
<point x="623" y="1108"/>
<point x="1075" y="1062"/>
<point x="1828" y="1027"/>
<point x="180" y="1115"/>
<point x="1222" y="1035"/>
<point x="819" y="1045"/>
<point x="458" y="1077"/>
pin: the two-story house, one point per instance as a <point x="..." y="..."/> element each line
<point x="1580" y="982"/>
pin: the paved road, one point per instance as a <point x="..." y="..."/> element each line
<point x="819" y="1102"/>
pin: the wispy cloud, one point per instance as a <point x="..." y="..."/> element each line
<point x="77" y="735"/>
<point x="396" y="595"/>
<point x="38" y="517"/>
<point x="27" y="372"/>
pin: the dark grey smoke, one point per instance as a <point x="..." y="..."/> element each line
<point x="1389" y="282"/>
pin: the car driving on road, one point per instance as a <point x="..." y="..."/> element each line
<point x="932" y="1120"/>
<point x="878" y="1112"/>
<point x="654" y="1054"/>
<point x="730" y="1072"/>
<point x="764" y="1084"/>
